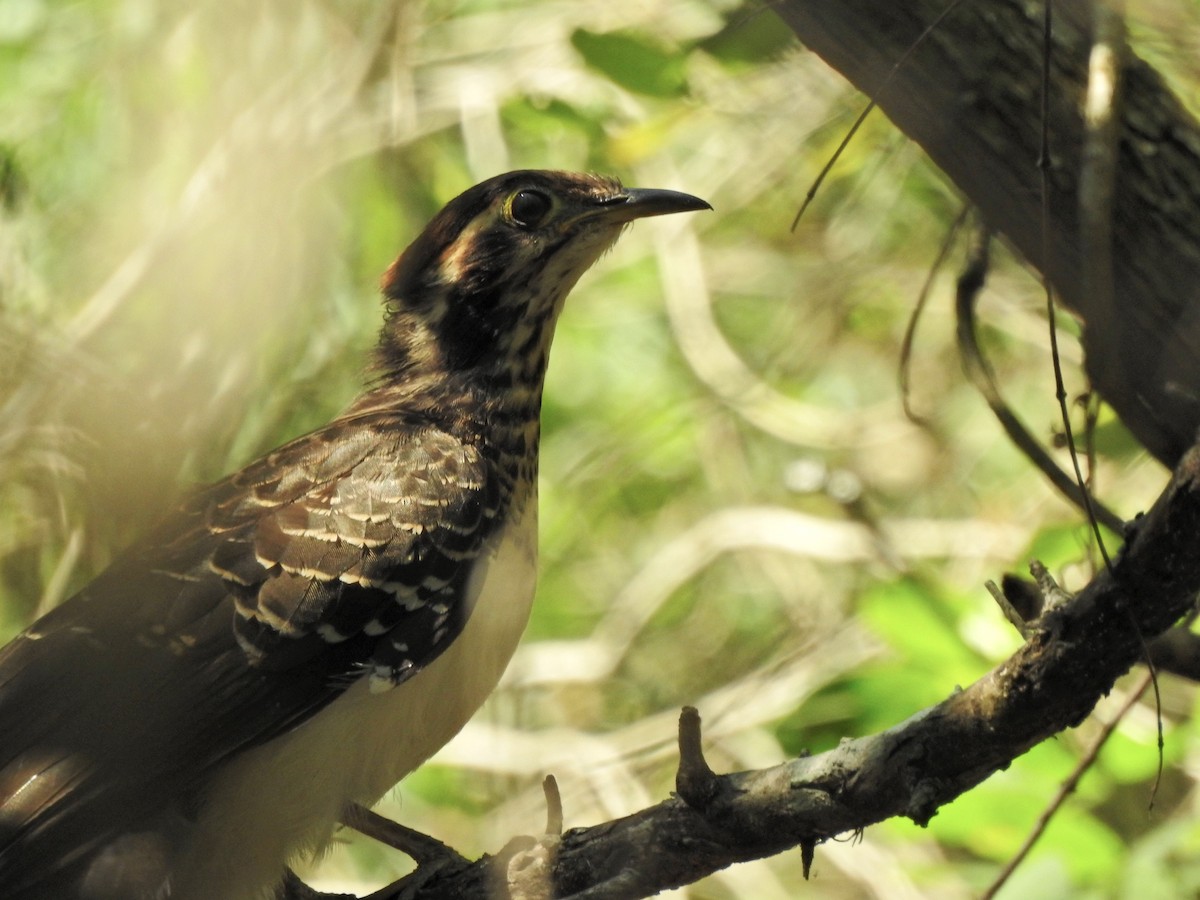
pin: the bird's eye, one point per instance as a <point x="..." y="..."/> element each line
<point x="529" y="208"/>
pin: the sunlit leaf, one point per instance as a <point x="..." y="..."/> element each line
<point x="635" y="61"/>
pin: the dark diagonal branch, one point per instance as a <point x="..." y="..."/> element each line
<point x="970" y="95"/>
<point x="1072" y="658"/>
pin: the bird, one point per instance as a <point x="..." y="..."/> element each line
<point x="297" y="637"/>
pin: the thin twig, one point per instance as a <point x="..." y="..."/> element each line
<point x="421" y="847"/>
<point x="862" y="117"/>
<point x="1105" y="253"/>
<point x="554" y="807"/>
<point x="910" y="331"/>
<point x="975" y="364"/>
<point x="1068" y="787"/>
<point x="1097" y="185"/>
<point x="695" y="781"/>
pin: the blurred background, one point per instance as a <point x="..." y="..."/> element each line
<point x="196" y="201"/>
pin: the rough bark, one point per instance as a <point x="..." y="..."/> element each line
<point x="970" y="95"/>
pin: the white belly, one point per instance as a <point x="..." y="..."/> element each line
<point x="281" y="801"/>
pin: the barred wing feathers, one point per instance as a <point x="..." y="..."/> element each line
<point x="343" y="554"/>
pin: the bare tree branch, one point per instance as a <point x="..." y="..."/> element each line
<point x="1072" y="658"/>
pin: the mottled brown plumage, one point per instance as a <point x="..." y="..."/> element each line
<point x="266" y="633"/>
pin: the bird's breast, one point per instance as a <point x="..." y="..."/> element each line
<point x="281" y="800"/>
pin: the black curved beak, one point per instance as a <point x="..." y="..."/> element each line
<point x="640" y="203"/>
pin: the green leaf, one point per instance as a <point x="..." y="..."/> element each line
<point x="634" y="61"/>
<point x="749" y="37"/>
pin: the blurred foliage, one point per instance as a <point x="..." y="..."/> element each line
<point x="196" y="201"/>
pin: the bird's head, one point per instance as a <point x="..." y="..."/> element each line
<point x="482" y="285"/>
